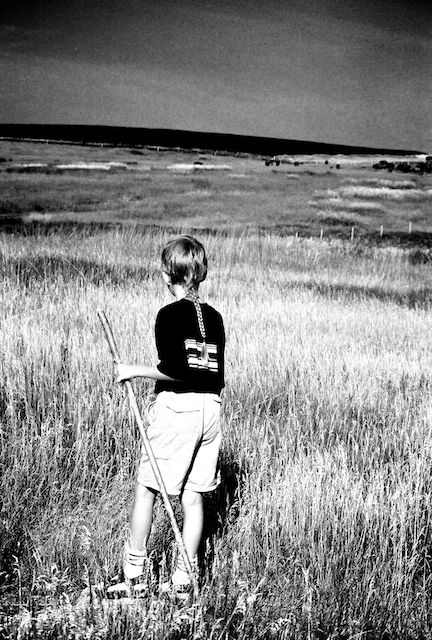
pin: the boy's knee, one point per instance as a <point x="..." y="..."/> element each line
<point x="191" y="498"/>
<point x="144" y="494"/>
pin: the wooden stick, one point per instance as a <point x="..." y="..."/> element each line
<point x="153" y="463"/>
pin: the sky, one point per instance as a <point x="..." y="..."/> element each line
<point x="341" y="71"/>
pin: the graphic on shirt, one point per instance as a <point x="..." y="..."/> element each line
<point x="193" y="353"/>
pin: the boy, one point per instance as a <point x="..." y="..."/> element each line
<point x="184" y="430"/>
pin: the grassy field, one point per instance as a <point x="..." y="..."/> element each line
<point x="234" y="194"/>
<point x="322" y="525"/>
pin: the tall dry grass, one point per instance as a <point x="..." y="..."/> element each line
<point x="321" y="527"/>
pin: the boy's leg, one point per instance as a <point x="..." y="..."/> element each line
<point x="135" y="548"/>
<point x="202" y="477"/>
<point x="141" y="518"/>
<point x="139" y="532"/>
<point x="193" y="517"/>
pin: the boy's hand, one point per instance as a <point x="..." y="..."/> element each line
<point x="124" y="372"/>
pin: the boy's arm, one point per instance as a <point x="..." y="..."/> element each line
<point x="128" y="371"/>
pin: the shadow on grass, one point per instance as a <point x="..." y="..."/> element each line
<point x="221" y="507"/>
<point x="43" y="268"/>
<point x="19" y="224"/>
<point x="413" y="298"/>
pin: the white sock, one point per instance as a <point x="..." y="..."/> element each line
<point x="133" y="562"/>
<point x="181" y="575"/>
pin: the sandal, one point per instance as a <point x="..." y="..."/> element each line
<point x="180" y="584"/>
<point x="183" y="593"/>
<point x="127" y="587"/>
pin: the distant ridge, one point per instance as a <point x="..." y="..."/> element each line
<point x="177" y="139"/>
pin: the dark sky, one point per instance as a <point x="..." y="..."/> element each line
<point x="343" y="71"/>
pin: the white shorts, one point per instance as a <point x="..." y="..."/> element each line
<point x="185" y="435"/>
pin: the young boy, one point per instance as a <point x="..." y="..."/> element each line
<point x="184" y="430"/>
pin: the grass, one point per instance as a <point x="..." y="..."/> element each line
<point x="381" y="192"/>
<point x="304" y="199"/>
<point x="322" y="525"/>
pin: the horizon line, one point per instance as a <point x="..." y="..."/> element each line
<point x="204" y="135"/>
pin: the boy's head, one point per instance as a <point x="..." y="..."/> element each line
<point x="185" y="262"/>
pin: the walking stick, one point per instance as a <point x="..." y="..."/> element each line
<point x="154" y="465"/>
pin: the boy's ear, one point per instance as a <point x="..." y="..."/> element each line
<point x="166" y="278"/>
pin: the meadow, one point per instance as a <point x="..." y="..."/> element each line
<point x="321" y="527"/>
<point x="167" y="189"/>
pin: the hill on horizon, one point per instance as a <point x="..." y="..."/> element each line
<point x="186" y="140"/>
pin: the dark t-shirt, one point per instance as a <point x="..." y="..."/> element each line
<point x="178" y="342"/>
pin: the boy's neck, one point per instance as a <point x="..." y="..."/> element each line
<point x="179" y="292"/>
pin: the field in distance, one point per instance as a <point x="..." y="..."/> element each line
<point x="322" y="525"/>
<point x="48" y="184"/>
